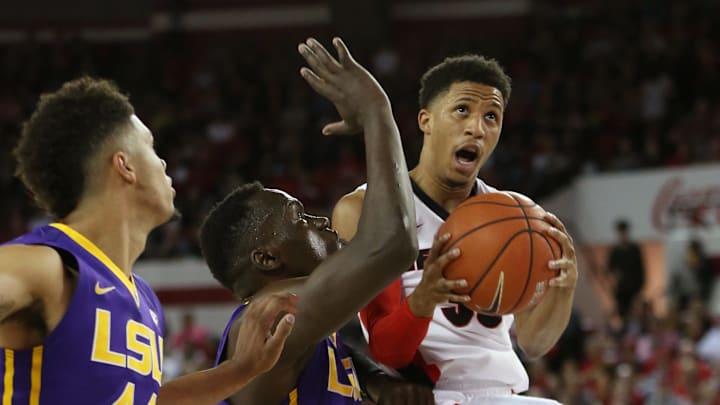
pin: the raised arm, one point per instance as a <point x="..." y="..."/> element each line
<point x="385" y="244"/>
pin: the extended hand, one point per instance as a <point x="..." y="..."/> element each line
<point x="433" y="288"/>
<point x="354" y="91"/>
<point x="258" y="348"/>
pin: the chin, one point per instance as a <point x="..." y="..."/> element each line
<point x="457" y="180"/>
<point x="171" y="215"/>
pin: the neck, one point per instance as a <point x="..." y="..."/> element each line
<point x="113" y="227"/>
<point x="448" y="196"/>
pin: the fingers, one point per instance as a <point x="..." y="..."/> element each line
<point x="450" y="285"/>
<point x="437" y="246"/>
<point x="555" y="221"/>
<point x="568" y="273"/>
<point x="458" y="298"/>
<point x="568" y="250"/>
<point x="441" y="262"/>
<point x="319" y="66"/>
<point x="338" y="128"/>
<point x="282" y="331"/>
<point x="559" y="281"/>
<point x="343" y="52"/>
<point x="319" y="85"/>
<point x="323" y="56"/>
<point x="266" y="309"/>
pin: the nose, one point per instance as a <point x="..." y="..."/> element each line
<point x="475" y="127"/>
<point x="164" y="163"/>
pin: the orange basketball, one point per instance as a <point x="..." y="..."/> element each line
<point x="505" y="251"/>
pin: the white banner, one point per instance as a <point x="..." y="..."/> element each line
<point x="656" y="202"/>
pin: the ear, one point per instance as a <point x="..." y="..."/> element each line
<point x="121" y="164"/>
<point x="265" y="260"/>
<point x="425" y="121"/>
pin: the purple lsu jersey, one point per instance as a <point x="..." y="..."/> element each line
<point x="107" y="349"/>
<point x="328" y="378"/>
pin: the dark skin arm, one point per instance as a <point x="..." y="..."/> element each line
<point x="433" y="289"/>
<point x="385" y="244"/>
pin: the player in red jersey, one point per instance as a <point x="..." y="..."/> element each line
<point x="417" y="325"/>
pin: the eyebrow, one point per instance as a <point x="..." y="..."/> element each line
<point x="473" y="100"/>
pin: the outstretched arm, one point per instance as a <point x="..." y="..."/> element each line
<point x="386" y="242"/>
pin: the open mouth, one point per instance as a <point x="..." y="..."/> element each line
<point x="467" y="154"/>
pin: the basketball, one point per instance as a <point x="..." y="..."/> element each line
<point x="505" y="251"/>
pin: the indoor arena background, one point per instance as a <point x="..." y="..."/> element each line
<point x="615" y="114"/>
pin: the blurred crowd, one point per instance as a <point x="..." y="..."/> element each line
<point x="592" y="92"/>
<point x="636" y="86"/>
<point x="668" y="360"/>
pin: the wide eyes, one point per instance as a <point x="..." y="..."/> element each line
<point x="464" y="110"/>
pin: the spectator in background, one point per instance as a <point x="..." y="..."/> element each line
<point x="192" y="335"/>
<point x="626" y="268"/>
<point x="695" y="279"/>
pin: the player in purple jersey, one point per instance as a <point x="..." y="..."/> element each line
<point x="76" y="325"/>
<point x="259" y="241"/>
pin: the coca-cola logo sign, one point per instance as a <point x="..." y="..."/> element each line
<point x="679" y="206"/>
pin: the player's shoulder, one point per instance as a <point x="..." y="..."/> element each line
<point x="36" y="268"/>
<point x="354" y="197"/>
<point x="350" y="203"/>
<point x="29" y="259"/>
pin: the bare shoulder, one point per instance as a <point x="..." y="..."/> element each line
<point x="353" y="199"/>
<point x="35" y="268"/>
<point x="28" y="261"/>
<point x="346" y="214"/>
<point x="26" y="274"/>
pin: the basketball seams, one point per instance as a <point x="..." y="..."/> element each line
<point x="497" y="257"/>
<point x="497" y="221"/>
<point x="550" y="245"/>
<point x="504" y="213"/>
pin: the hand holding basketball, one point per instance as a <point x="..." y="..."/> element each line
<point x="511" y="252"/>
<point x="433" y="288"/>
<point x="567" y="264"/>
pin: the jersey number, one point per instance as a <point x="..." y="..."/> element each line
<point x="460" y="316"/>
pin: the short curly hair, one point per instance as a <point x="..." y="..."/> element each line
<point x="61" y="138"/>
<point x="464" y="68"/>
<point x="228" y="234"/>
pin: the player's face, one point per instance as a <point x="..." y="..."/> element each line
<point x="154" y="184"/>
<point x="305" y="240"/>
<point x="462" y="127"/>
